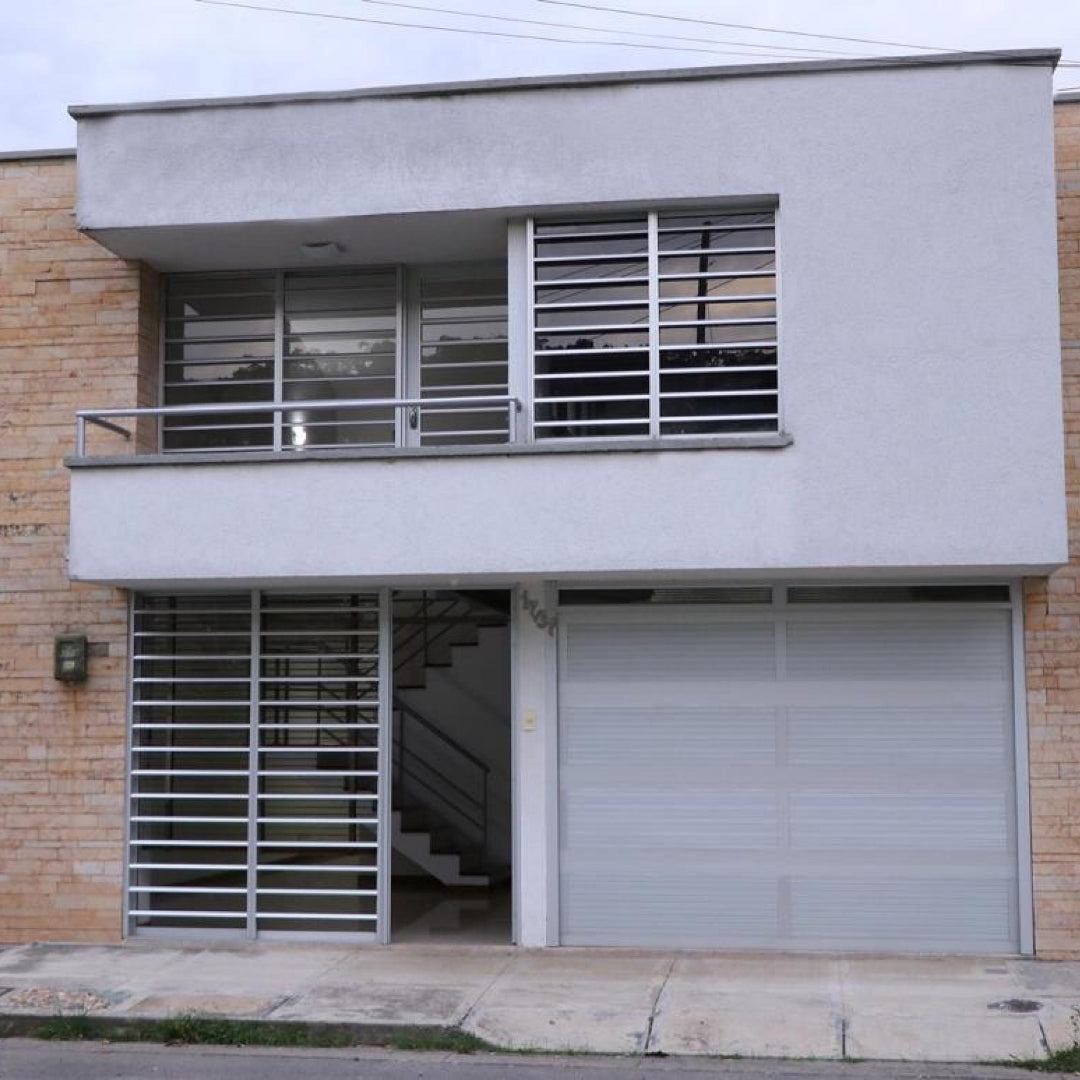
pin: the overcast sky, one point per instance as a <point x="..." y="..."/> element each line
<point x="59" y="52"/>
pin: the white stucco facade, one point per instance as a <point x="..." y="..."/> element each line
<point x="919" y="359"/>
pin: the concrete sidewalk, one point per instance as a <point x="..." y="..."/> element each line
<point x="618" y="1001"/>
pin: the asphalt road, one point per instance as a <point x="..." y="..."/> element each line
<point x="23" y="1059"/>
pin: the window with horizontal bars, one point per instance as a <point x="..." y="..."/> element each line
<point x="462" y="353"/>
<point x="658" y="324"/>
<point x="297" y="337"/>
<point x="314" y="339"/>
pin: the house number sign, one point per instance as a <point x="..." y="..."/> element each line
<point x="542" y="619"/>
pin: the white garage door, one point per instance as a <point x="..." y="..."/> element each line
<point x="790" y="776"/>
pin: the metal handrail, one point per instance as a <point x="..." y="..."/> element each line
<point x="446" y="623"/>
<point x="422" y="720"/>
<point x="102" y="417"/>
<point x="470" y="808"/>
<point x="475" y="810"/>
<point x="472" y="800"/>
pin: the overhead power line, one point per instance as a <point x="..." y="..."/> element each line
<point x="742" y="26"/>
<point x="764" y="29"/>
<point x="787" y="55"/>
<point x="610" y="29"/>
<point x="485" y="33"/>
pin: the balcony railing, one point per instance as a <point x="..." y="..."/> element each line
<point x="413" y="408"/>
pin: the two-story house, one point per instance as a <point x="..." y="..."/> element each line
<point x="616" y="510"/>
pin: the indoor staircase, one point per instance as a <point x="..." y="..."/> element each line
<point x="440" y="789"/>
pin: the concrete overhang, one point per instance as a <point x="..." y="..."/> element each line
<point x="432" y="172"/>
<point x="370" y="241"/>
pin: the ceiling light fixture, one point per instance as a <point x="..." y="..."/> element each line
<point x="321" y="249"/>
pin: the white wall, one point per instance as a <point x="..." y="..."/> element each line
<point x="919" y="355"/>
<point x="951" y="499"/>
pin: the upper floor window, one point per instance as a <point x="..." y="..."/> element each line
<point x="343" y="349"/>
<point x="655" y="325"/>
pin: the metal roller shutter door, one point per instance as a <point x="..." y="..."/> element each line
<point x="810" y="779"/>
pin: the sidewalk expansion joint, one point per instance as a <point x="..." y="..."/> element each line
<point x="483" y="993"/>
<point x="656" y="1005"/>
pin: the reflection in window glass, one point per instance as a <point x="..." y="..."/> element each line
<point x="329" y="336"/>
<point x="463" y="353"/>
<point x="219" y="349"/>
<point x="705" y="364"/>
<point x="341" y="351"/>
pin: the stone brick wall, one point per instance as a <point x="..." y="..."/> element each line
<point x="1052" y="618"/>
<point x="73" y="333"/>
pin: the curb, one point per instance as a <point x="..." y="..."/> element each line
<point x="313" y="1033"/>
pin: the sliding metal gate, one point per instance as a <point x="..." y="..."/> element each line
<point x="259" y="764"/>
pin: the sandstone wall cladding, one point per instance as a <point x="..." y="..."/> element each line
<point x="1052" y="617"/>
<point x="75" y="325"/>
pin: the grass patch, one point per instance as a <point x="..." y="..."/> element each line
<point x="195" y="1029"/>
<point x="191" y="1029"/>
<point x="1060" y="1061"/>
<point x="71" y="1028"/>
<point x="446" y="1039"/>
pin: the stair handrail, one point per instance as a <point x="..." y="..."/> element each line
<point x="477" y="817"/>
<point x="450" y="741"/>
<point x="473" y="809"/>
<point x="457" y="612"/>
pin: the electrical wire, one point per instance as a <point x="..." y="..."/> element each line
<point x="484" y="33"/>
<point x="610" y="30"/>
<point x="742" y="26"/>
<point x="590" y="41"/>
<point x="766" y="29"/>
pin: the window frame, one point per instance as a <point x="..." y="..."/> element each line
<point x="652" y="216"/>
<point x="407" y="283"/>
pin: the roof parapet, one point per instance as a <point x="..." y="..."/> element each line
<point x="586" y="81"/>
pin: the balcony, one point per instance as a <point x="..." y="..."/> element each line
<point x="481" y="422"/>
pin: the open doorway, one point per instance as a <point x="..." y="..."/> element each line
<point x="451" y="823"/>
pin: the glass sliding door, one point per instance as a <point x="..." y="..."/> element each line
<point x="340" y="344"/>
<point x="259" y="764"/>
<point x="332" y="346"/>
<point x="296" y="336"/>
<point x="458" y="328"/>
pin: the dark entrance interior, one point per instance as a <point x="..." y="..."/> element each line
<point x="451" y="826"/>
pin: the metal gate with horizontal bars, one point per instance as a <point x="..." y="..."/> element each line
<point x="259" y="764"/>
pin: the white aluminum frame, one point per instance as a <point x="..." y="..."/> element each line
<point x="412" y="340"/>
<point x="1021" y="755"/>
<point x="654" y="323"/>
<point x="386" y="751"/>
